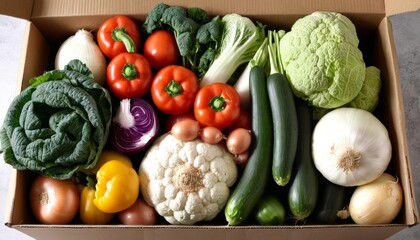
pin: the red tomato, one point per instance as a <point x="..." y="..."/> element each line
<point x="129" y="75"/>
<point x="173" y="89"/>
<point x="217" y="105"/>
<point x="140" y="213"/>
<point x="161" y="49"/>
<point x="54" y="201"/>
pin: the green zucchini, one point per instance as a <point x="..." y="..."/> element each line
<point x="254" y="178"/>
<point x="331" y="200"/>
<point x="284" y="126"/>
<point x="303" y="191"/>
<point x="270" y="211"/>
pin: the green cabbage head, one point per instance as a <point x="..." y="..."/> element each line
<point x="57" y="125"/>
<point x="368" y="97"/>
<point x="322" y="61"/>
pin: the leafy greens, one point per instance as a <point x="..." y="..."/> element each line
<point x="57" y="125"/>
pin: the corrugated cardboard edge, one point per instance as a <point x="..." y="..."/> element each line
<point x="160" y="232"/>
<point x="269" y="7"/>
<point x="35" y="51"/>
<point x="393" y="7"/>
<point x="8" y="211"/>
<point x="11" y="195"/>
<point x="411" y="218"/>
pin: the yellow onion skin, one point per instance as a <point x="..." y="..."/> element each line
<point x="377" y="202"/>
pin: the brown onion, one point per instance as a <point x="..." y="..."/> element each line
<point x="377" y="202"/>
<point x="54" y="201"/>
<point x="185" y="130"/>
<point x="140" y="213"/>
<point x="211" y="135"/>
<point x="238" y="141"/>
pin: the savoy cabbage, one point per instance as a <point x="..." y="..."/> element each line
<point x="322" y="60"/>
<point x="57" y="125"/>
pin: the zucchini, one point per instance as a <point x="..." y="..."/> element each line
<point x="331" y="201"/>
<point x="285" y="128"/>
<point x="270" y="211"/>
<point x="303" y="192"/>
<point x="254" y="178"/>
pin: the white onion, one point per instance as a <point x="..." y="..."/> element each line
<point x="82" y="46"/>
<point x="350" y="147"/>
<point x="377" y="202"/>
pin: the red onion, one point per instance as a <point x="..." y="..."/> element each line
<point x="135" y="126"/>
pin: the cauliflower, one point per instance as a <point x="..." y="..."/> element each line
<point x="322" y="60"/>
<point x="186" y="181"/>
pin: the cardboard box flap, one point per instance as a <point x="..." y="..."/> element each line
<point x="246" y="7"/>
<point x="35" y="8"/>
<point x="90" y="14"/>
<point x="394" y="7"/>
<point x="17" y="8"/>
<point x="8" y="209"/>
<point x="395" y="122"/>
<point x="36" y="51"/>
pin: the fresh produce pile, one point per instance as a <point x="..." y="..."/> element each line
<point x="187" y="118"/>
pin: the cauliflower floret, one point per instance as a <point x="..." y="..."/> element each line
<point x="209" y="179"/>
<point x="188" y="152"/>
<point x="187" y="181"/>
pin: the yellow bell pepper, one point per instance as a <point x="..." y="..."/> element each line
<point x="89" y="213"/>
<point x="108" y="155"/>
<point x="117" y="186"/>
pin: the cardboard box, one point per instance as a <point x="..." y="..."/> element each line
<point x="49" y="22"/>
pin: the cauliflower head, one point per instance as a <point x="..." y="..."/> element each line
<point x="186" y="181"/>
<point x="322" y="61"/>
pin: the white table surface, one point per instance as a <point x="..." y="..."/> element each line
<point x="407" y="38"/>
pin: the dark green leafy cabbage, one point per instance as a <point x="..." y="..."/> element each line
<point x="57" y="125"/>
